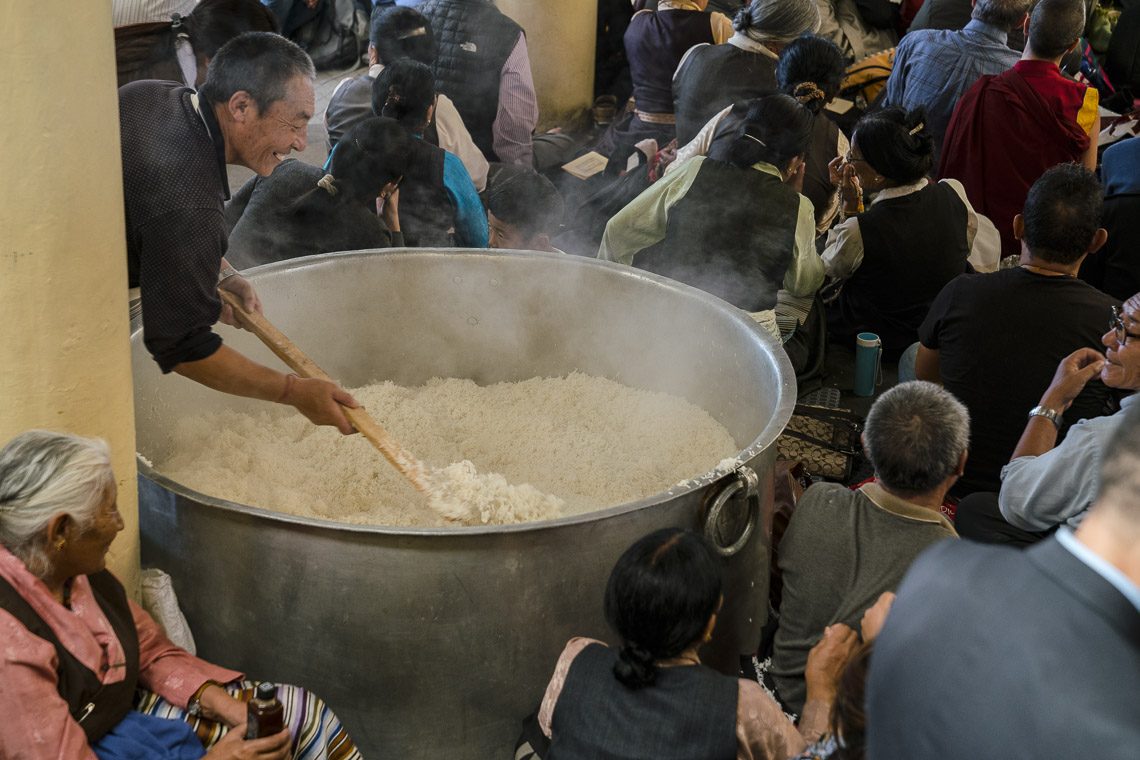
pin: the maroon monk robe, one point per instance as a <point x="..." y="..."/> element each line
<point x="1002" y="137"/>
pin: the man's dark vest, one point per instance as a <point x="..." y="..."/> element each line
<point x="474" y="41"/>
<point x="654" y="45"/>
<point x="427" y="214"/>
<point x="912" y="246"/>
<point x="98" y="708"/>
<point x="715" y="76"/>
<point x="688" y="713"/>
<point x="738" y="251"/>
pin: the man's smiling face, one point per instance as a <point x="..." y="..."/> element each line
<point x="266" y="138"/>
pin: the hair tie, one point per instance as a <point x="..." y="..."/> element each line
<point x="808" y="91"/>
<point x="418" y="32"/>
<point x="757" y="139"/>
<point x="393" y="98"/>
<point x="327" y="183"/>
<point x="917" y="128"/>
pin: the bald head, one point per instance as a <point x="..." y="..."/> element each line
<point x="1004" y="14"/>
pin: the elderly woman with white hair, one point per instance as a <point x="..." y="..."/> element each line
<point x="76" y="648"/>
<point x="712" y="77"/>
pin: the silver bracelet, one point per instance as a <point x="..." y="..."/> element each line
<point x="1050" y="414"/>
<point x="226" y="273"/>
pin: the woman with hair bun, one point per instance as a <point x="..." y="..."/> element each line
<point x="810" y="69"/>
<point x="733" y="223"/>
<point x="301" y="209"/>
<point x="711" y="77"/>
<point x="651" y="696"/>
<point x="440" y="205"/>
<point x="895" y="254"/>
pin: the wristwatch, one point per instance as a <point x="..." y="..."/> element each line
<point x="1050" y="414"/>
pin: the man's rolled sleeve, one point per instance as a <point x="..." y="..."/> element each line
<point x="178" y="277"/>
<point x="1038" y="493"/>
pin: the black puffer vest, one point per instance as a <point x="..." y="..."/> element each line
<point x="475" y="40"/>
<point x="96" y="707"/>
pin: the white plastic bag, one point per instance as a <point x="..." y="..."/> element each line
<point x="159" y="600"/>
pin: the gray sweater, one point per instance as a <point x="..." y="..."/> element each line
<point x="842" y="549"/>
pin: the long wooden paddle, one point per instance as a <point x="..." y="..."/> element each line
<point x="288" y="352"/>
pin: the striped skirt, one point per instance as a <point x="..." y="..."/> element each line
<point x="317" y="733"/>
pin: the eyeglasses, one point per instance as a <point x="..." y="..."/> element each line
<point x="1116" y="324"/>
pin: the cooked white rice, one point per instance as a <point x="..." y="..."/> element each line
<point x="588" y="442"/>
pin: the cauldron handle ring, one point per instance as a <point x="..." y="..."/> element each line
<point x="746" y="480"/>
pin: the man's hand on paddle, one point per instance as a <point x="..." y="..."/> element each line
<point x="243" y="289"/>
<point x="321" y="401"/>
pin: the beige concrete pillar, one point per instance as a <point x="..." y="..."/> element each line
<point x="64" y="352"/>
<point x="560" y="36"/>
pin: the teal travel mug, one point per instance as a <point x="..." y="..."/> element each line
<point x="868" y="357"/>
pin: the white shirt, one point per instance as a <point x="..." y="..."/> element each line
<point x="128" y="12"/>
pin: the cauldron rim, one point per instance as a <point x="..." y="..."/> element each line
<point x="763" y="440"/>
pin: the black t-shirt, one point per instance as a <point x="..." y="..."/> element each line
<point x="1000" y="337"/>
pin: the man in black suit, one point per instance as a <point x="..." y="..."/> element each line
<point x="990" y="652"/>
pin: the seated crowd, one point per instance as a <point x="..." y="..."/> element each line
<point x="959" y="217"/>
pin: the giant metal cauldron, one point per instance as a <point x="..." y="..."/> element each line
<point x="435" y="643"/>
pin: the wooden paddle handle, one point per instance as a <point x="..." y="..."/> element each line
<point x="288" y="352"/>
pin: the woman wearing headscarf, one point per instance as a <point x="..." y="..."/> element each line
<point x="711" y="77"/>
<point x="75" y="647"/>
<point x="301" y="209"/>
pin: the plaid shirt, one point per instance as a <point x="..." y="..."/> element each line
<point x="934" y="67"/>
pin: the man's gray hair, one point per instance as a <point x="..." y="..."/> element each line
<point x="915" y="435"/>
<point x="1120" y="471"/>
<point x="260" y="63"/>
<point x="1004" y="14"/>
<point x="44" y="474"/>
